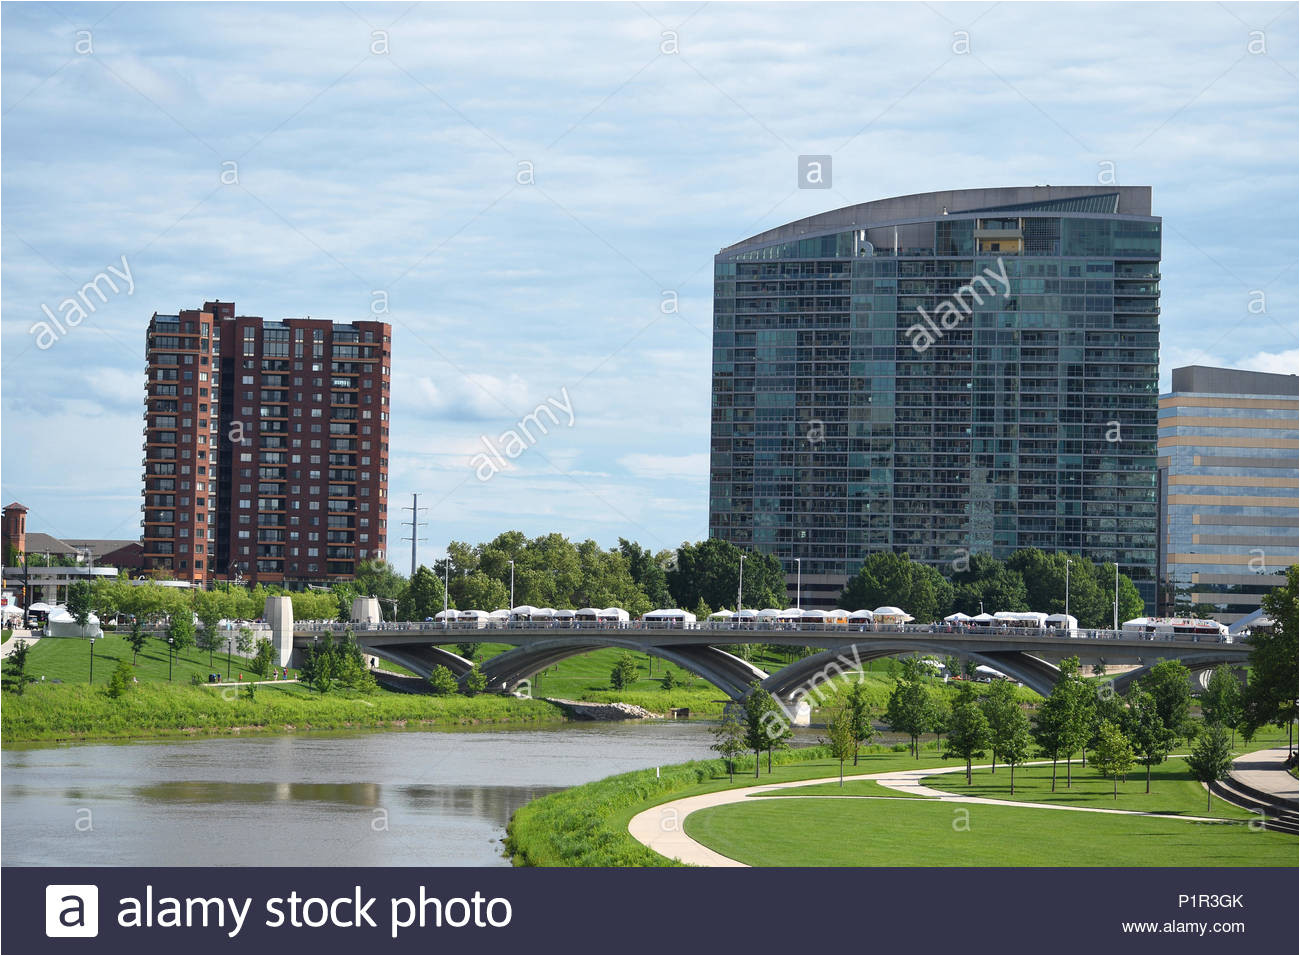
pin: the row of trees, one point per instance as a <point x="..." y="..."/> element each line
<point x="1029" y="580"/>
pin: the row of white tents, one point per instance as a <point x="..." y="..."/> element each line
<point x="59" y="623"/>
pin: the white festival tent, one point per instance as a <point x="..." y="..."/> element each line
<point x="862" y="614"/>
<point x="63" y="624"/>
<point x="722" y="615"/>
<point x="501" y="614"/>
<point x="669" y="614"/>
<point x="615" y="614"/>
<point x="11" y="610"/>
<point x="958" y="618"/>
<point x="449" y="615"/>
<point x="565" y="615"/>
<point x="891" y="615"/>
<point x="1065" y="622"/>
<point x="983" y="619"/>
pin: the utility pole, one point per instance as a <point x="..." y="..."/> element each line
<point x="1116" y="624"/>
<point x="415" y="522"/>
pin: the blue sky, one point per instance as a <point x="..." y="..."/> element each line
<point x="378" y="148"/>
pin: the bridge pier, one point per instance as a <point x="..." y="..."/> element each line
<point x="365" y="610"/>
<point x="278" y="613"/>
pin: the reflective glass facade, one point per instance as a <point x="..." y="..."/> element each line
<point x="918" y="378"/>
<point x="1229" y="479"/>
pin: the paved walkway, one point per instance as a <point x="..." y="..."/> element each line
<point x="7" y="647"/>
<point x="662" y="828"/>
<point x="1265" y="770"/>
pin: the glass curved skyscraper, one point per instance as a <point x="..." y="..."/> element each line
<point x="941" y="374"/>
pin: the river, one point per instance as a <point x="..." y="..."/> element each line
<point x="383" y="798"/>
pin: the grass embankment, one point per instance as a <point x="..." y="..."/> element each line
<point x="587" y="825"/>
<point x="76" y="712"/>
<point x="818" y="832"/>
<point x="67" y="659"/>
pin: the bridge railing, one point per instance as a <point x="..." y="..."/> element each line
<point x="734" y="633"/>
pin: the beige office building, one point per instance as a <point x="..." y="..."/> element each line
<point x="1228" y="489"/>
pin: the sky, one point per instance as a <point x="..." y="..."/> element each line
<point x="534" y="194"/>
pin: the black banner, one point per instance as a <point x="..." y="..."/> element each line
<point x="412" y="910"/>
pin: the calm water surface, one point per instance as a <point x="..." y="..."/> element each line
<point x="413" y="798"/>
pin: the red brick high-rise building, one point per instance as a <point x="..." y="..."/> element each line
<point x="266" y="446"/>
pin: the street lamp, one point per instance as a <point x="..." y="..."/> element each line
<point x="446" y="583"/>
<point x="92" y="660"/>
<point x="512" y="584"/>
<point x="1115" y="625"/>
<point x="798" y="583"/>
<point x="740" y="586"/>
<point x="1068" y="562"/>
<point x="228" y="640"/>
<point x="170" y="643"/>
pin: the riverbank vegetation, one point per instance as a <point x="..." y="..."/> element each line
<point x="65" y="712"/>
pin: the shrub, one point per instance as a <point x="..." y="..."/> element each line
<point x="261" y="663"/>
<point x="442" y="681"/>
<point x="119" y="682"/>
<point x="475" y="682"/>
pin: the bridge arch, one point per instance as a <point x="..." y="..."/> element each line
<point x="420" y="658"/>
<point x="796" y="680"/>
<point x="1194" y="662"/>
<point x="728" y="673"/>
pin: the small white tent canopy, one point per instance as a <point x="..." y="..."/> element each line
<point x="474" y="618"/>
<point x="63" y="624"/>
<point x="982" y="619"/>
<point x="790" y="615"/>
<point x="40" y="607"/>
<point x="983" y="670"/>
<point x="860" y="615"/>
<point x="448" y="615"/>
<point x="1066" y="622"/>
<point x="587" y="614"/>
<point x="818" y="616"/>
<point x="523" y="612"/>
<point x="746" y="614"/>
<point x="1021" y="618"/>
<point x="722" y="615"/>
<point x="544" y="614"/>
<point x="958" y="618"/>
<point x="565" y="615"/>
<point x="674" y="615"/>
<point x="890" y="615"/>
<point x="614" y="614"/>
<point x="11" y="610"/>
<point x="768" y="614"/>
<point x="500" y="614"/>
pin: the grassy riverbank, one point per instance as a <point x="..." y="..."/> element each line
<point x="58" y="712"/>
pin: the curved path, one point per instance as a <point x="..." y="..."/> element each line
<point x="662" y="828"/>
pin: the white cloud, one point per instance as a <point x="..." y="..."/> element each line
<point x="667" y="466"/>
<point x="1283" y="363"/>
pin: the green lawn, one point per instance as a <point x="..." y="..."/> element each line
<point x="1172" y="789"/>
<point x="851" y="788"/>
<point x="818" y="832"/>
<point x="68" y="659"/>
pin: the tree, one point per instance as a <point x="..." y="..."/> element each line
<point x="80" y="597"/>
<point x="1000" y="710"/>
<point x="16" y="677"/>
<point x="911" y="708"/>
<point x="1062" y="721"/>
<point x="888" y="578"/>
<point x="669" y="680"/>
<point x="729" y="740"/>
<point x="478" y="591"/>
<point x="1015" y="743"/>
<point x="859" y="708"/>
<point x="776" y="725"/>
<point x="1210" y="759"/>
<point x="624" y="673"/>
<point x="842" y="742"/>
<point x="244" y="641"/>
<point x="442" y="681"/>
<point x="757" y="706"/>
<point x="423" y="597"/>
<point x="1152" y="740"/>
<point x="1170" y="683"/>
<point x="379" y="579"/>
<point x="137" y="639"/>
<point x="1221" y="702"/>
<point x="968" y="733"/>
<point x="701" y="610"/>
<point x="475" y="682"/>
<point x="1112" y="755"/>
<point x="119" y="682"/>
<point x="181" y="630"/>
<point x="709" y="571"/>
<point x="1270" y="696"/>
<point x="262" y="659"/>
<point x="469" y="649"/>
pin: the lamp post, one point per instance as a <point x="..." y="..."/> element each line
<point x="92" y="660"/>
<point x="740" y="585"/>
<point x="798" y="583"/>
<point x="228" y="640"/>
<point x="170" y="644"/>
<point x="446" y="583"/>
<point x="1115" y="625"/>
<point x="512" y="585"/>
<point x="1068" y="562"/>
